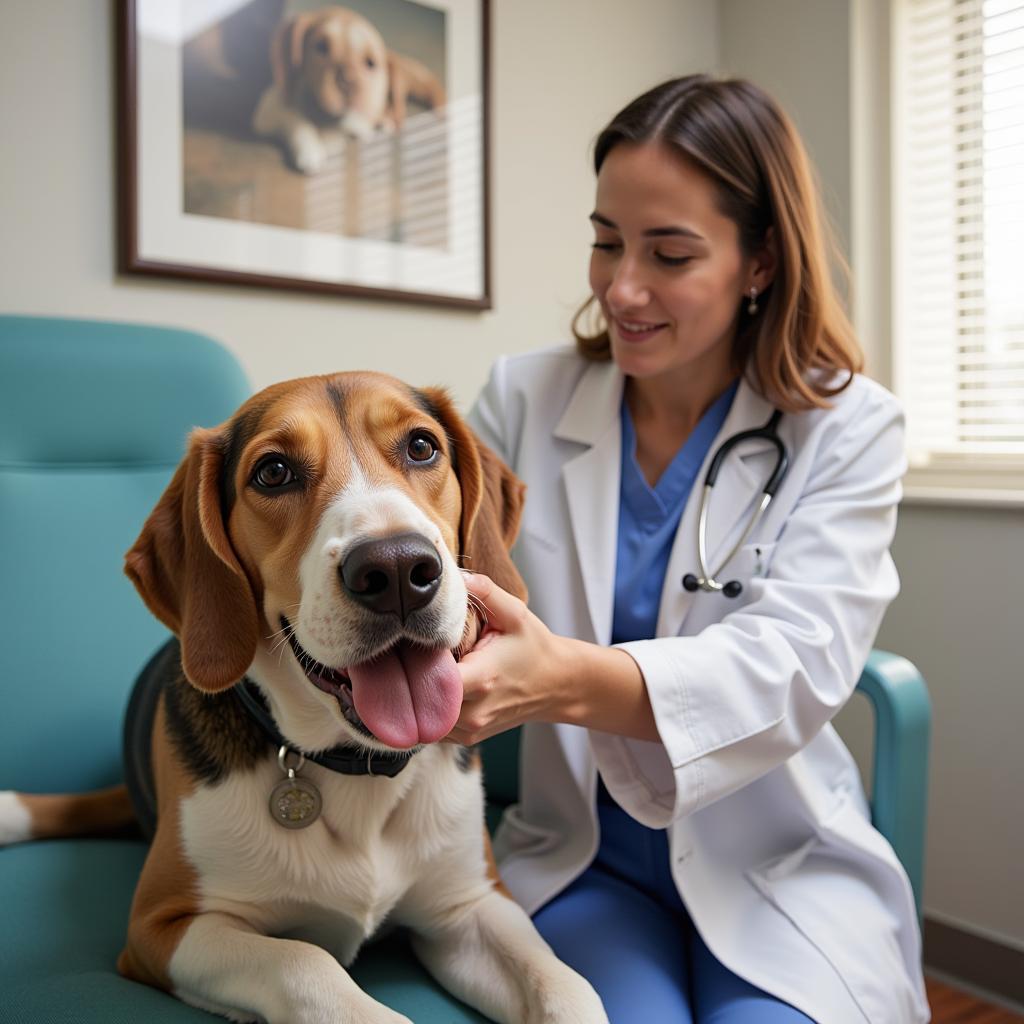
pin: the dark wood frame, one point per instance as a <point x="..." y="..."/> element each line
<point x="130" y="262"/>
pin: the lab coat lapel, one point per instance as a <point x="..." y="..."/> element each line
<point x="732" y="500"/>
<point x="591" y="481"/>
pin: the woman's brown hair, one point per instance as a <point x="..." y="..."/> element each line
<point x="800" y="337"/>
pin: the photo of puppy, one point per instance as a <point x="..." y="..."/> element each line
<point x="305" y="115"/>
<point x="285" y="750"/>
<point x="332" y="68"/>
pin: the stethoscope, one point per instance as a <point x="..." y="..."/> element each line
<point x="706" y="581"/>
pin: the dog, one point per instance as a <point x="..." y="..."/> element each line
<point x="308" y="556"/>
<point x="333" y="70"/>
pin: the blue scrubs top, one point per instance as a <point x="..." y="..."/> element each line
<point x="649" y="518"/>
<point x="648" y="521"/>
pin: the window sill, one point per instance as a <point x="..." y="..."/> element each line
<point x="962" y="487"/>
<point x="963" y="497"/>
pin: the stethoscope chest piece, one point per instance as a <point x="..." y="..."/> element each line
<point x="731" y="589"/>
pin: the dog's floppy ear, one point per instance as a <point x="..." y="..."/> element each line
<point x="492" y="499"/>
<point x="409" y="79"/>
<point x="187" y="572"/>
<point x="488" y="536"/>
<point x="286" y="49"/>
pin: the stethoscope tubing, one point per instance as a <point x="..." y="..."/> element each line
<point x="707" y="581"/>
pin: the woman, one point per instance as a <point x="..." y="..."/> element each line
<point x="692" y="835"/>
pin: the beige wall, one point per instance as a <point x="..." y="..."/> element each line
<point x="559" y="71"/>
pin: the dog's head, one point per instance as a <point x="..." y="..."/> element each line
<point x="314" y="542"/>
<point x="335" y="62"/>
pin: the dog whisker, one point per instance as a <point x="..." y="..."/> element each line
<point x="480" y="608"/>
<point x="284" y="639"/>
<point x="288" y="631"/>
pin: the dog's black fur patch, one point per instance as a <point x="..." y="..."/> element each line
<point x="336" y="395"/>
<point x="211" y="732"/>
<point x="240" y="433"/>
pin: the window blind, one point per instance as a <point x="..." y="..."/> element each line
<point x="959" y="209"/>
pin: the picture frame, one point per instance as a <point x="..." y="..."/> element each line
<point x="307" y="146"/>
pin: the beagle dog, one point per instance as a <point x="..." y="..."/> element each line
<point x="309" y="556"/>
<point x="332" y="69"/>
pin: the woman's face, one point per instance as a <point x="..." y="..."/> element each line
<point x="667" y="268"/>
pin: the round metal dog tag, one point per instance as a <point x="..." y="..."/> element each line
<point x="295" y="803"/>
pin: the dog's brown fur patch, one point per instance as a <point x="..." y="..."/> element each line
<point x="105" y="811"/>
<point x="166" y="898"/>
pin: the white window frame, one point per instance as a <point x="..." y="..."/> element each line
<point x="946" y="478"/>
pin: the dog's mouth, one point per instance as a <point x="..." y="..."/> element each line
<point x="405" y="696"/>
<point x="332" y="681"/>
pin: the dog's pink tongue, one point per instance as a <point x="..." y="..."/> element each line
<point x="409" y="695"/>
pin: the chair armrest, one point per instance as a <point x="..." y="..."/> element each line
<point x="899" y="796"/>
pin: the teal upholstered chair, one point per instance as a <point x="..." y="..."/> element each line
<point x="93" y="420"/>
<point x="899" y="792"/>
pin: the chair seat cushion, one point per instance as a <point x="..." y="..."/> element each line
<point x="65" y="909"/>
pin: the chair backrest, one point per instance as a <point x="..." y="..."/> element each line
<point x="93" y="421"/>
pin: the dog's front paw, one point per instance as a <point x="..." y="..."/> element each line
<point x="15" y="820"/>
<point x="307" y="151"/>
<point x="362" y="1009"/>
<point x="375" y="1013"/>
<point x="572" y="1001"/>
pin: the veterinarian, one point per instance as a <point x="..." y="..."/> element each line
<point x="692" y="835"/>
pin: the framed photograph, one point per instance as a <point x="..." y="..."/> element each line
<point x="303" y="145"/>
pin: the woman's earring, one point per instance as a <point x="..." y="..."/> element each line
<point x="752" y="307"/>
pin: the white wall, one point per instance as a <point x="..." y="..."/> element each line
<point x="559" y="71"/>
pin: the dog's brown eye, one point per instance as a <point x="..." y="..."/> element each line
<point x="273" y="472"/>
<point x="421" y="448"/>
<point x="371" y="63"/>
<point x="322" y="46"/>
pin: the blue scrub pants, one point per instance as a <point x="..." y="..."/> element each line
<point x="622" y="925"/>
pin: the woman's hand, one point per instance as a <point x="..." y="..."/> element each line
<point x="519" y="671"/>
<point x="511" y="676"/>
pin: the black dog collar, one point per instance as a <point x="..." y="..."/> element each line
<point x="344" y="759"/>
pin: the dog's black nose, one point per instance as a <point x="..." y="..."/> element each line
<point x="392" y="575"/>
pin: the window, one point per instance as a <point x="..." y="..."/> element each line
<point x="958" y="301"/>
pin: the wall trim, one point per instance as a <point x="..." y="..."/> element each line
<point x="991" y="967"/>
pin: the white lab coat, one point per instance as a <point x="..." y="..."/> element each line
<point x="771" y="843"/>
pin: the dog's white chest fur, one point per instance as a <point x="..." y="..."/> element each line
<point x="337" y="880"/>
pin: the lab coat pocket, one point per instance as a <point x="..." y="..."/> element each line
<point x="517" y="836"/>
<point x="796" y="885"/>
<point x="748" y="567"/>
<point x="825" y="891"/>
<point x="752" y="561"/>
